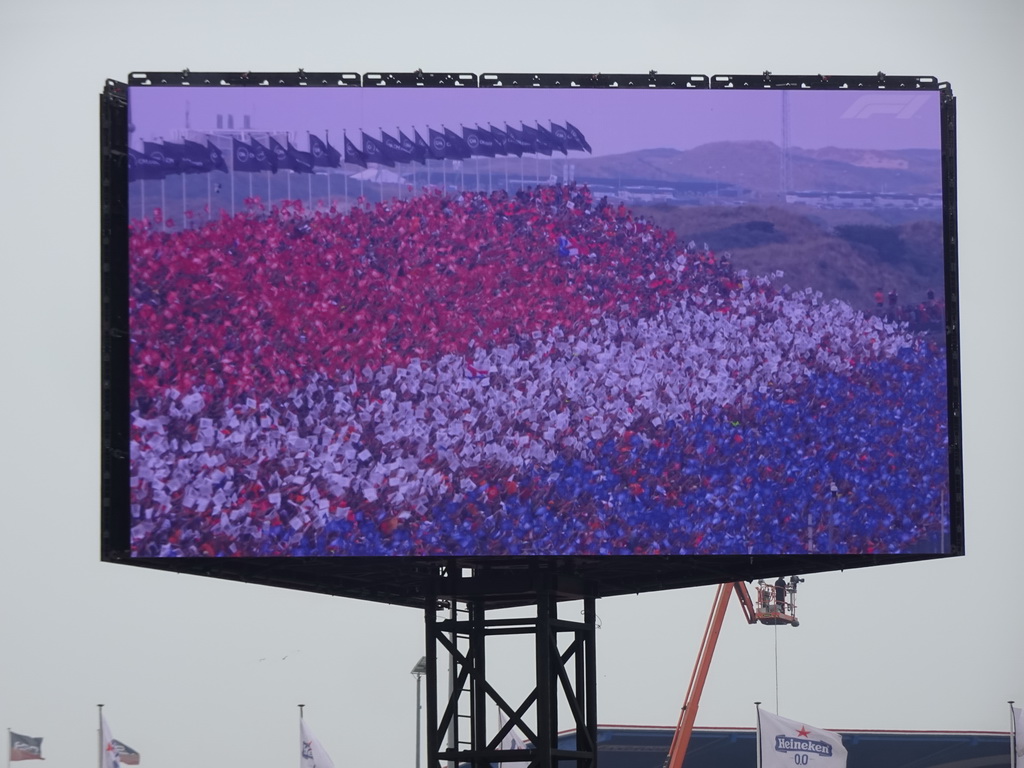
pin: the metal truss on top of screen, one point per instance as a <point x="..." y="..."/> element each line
<point x="245" y="79"/>
<point x="827" y="82"/>
<point x="424" y="581"/>
<point x="652" y="79"/>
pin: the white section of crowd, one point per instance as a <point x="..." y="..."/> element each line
<point x="512" y="406"/>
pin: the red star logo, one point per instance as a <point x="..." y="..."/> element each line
<point x="803" y="731"/>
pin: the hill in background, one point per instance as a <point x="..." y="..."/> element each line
<point x="846" y="255"/>
<point x="757" y="166"/>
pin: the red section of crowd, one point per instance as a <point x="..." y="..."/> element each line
<point x="251" y="303"/>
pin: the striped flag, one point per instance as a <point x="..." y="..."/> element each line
<point x="513" y="740"/>
<point x="26" y="747"/>
<point x="125" y="754"/>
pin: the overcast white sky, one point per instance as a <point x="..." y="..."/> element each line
<point x="203" y="673"/>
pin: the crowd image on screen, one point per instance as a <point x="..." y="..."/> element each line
<point x="529" y="373"/>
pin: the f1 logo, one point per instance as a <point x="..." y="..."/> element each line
<point x="902" y="106"/>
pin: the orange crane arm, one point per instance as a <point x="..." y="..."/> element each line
<point x="744" y="597"/>
<point x="688" y="716"/>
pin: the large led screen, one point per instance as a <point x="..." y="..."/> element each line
<point x="526" y="321"/>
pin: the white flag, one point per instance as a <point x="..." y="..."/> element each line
<point x="785" y="743"/>
<point x="110" y="757"/>
<point x="313" y="753"/>
<point x="513" y="739"/>
<point x="1018" y="734"/>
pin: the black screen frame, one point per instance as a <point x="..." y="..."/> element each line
<point x="418" y="581"/>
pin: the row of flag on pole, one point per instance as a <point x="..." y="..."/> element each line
<point x="446" y="144"/>
<point x="159" y="159"/>
<point x="782" y="743"/>
<point x="113" y="753"/>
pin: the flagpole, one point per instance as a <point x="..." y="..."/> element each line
<point x="398" y="170"/>
<point x="476" y="163"/>
<point x="312" y="171"/>
<point x="412" y="165"/>
<point x="1013" y="737"/>
<point x="9" y="747"/>
<point x="300" y="710"/>
<point x="757" y="707"/>
<point x="506" y="158"/>
<point x="536" y="158"/>
<point x="99" y="739"/>
<point x="426" y="157"/>
<point x="327" y="141"/>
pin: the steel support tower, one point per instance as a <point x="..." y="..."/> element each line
<point x="458" y="632"/>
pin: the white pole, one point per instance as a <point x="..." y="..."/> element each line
<point x="327" y="140"/>
<point x="1013" y="737"/>
<point x="757" y="705"/>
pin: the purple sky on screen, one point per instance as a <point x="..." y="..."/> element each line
<point x="612" y="120"/>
